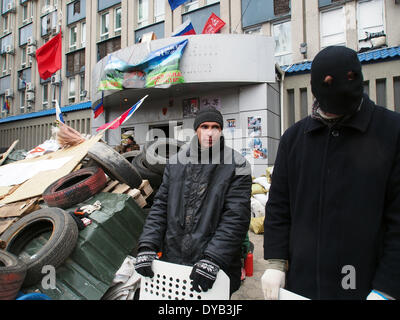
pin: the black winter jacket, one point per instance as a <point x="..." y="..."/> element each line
<point x="334" y="204"/>
<point x="202" y="209"/>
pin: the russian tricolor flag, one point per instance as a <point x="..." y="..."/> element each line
<point x="122" y="118"/>
<point x="184" y="29"/>
<point x="99" y="109"/>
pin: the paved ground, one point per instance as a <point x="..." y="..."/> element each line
<point x="251" y="287"/>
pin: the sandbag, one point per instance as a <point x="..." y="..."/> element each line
<point x="263" y="181"/>
<point x="257" y="209"/>
<point x="257" y="225"/>
<point x="262" y="198"/>
<point x="257" y="189"/>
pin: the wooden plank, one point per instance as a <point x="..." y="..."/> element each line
<point x="111" y="185"/>
<point x="19" y="209"/>
<point x="4" y="156"/>
<point x="138" y="197"/>
<point x="146" y="188"/>
<point x="35" y="186"/>
<point x="6" y="223"/>
<point x="121" y="188"/>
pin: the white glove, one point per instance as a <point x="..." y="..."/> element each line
<point x="271" y="281"/>
<point x="376" y="295"/>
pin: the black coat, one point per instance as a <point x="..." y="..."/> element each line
<point x="201" y="210"/>
<point x="335" y="202"/>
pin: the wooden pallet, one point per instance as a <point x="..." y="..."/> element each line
<point x="139" y="195"/>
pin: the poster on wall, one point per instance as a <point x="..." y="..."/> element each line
<point x="214" y="102"/>
<point x="231" y="125"/>
<point x="257" y="149"/>
<point x="254" y="126"/>
<point x="190" y="107"/>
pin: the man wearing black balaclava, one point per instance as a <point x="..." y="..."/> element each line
<point x="332" y="227"/>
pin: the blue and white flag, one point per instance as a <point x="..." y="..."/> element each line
<point x="176" y="3"/>
<point x="59" y="115"/>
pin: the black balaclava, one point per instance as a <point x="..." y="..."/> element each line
<point x="337" y="80"/>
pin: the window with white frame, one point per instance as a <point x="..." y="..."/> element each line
<point x="25" y="13"/>
<point x="104" y="26"/>
<point x="3" y="111"/>
<point x="283" y="42"/>
<point x="370" y="20"/>
<point x="23" y="57"/>
<point x="45" y="95"/>
<point x="333" y="27"/>
<point x="159" y="10"/>
<point x="82" y="87"/>
<point x="118" y="20"/>
<point x="73" y="31"/>
<point x="22" y="101"/>
<point x="71" y="90"/>
<point x="4" y="65"/>
<point x="143" y="13"/>
<point x="190" y="5"/>
<point x="6" y="19"/>
<point x="83" y="34"/>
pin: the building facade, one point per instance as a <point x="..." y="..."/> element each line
<point x="92" y="29"/>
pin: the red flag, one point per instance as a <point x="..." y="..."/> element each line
<point x="213" y="24"/>
<point x="48" y="57"/>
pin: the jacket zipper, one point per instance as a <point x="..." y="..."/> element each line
<point x="321" y="198"/>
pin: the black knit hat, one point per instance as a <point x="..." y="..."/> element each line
<point x="208" y="114"/>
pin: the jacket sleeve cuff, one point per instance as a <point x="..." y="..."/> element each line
<point x="278" y="264"/>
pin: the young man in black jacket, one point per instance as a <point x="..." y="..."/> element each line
<point x="201" y="213"/>
<point x="332" y="227"/>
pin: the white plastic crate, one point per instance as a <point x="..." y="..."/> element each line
<point x="172" y="282"/>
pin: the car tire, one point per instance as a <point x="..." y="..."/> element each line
<point x="12" y="275"/>
<point x="75" y="187"/>
<point x="154" y="178"/>
<point x="130" y="155"/>
<point x="62" y="241"/>
<point x="155" y="161"/>
<point x="115" y="165"/>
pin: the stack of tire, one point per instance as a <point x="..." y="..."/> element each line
<point x="56" y="228"/>
<point x="150" y="162"/>
<point x="18" y="269"/>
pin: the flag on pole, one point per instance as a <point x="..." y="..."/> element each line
<point x="176" y="3"/>
<point x="213" y="24"/>
<point x="99" y="109"/>
<point x="59" y="115"/>
<point x="122" y="118"/>
<point x="48" y="57"/>
<point x="6" y="105"/>
<point x="184" y="29"/>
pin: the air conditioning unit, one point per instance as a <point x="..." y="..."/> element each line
<point x="9" y="93"/>
<point x="30" y="97"/>
<point x="9" y="49"/>
<point x="30" y="51"/>
<point x="55" y="80"/>
<point x="30" y="87"/>
<point x="31" y="41"/>
<point x="11" y="6"/>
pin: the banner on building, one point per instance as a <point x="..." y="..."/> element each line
<point x="213" y="24"/>
<point x="161" y="67"/>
